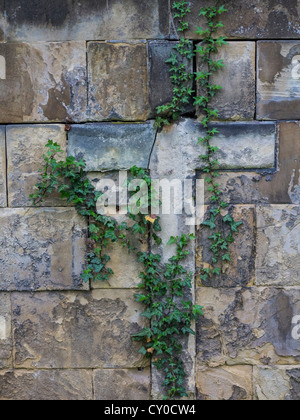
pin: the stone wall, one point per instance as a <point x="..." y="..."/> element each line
<point x="101" y="65"/>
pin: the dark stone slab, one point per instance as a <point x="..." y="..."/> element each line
<point x="109" y="146"/>
<point x="57" y="20"/>
<point x="278" y="84"/>
<point x="161" y="87"/>
<point x="253" y="19"/>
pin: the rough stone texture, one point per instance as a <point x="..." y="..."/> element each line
<point x="262" y="19"/>
<point x="122" y="384"/>
<point x="247" y="326"/>
<point x="236" y="100"/>
<point x="278" y="246"/>
<point x="118" y="81"/>
<point x="277" y="384"/>
<point x="83" y="330"/>
<point x="111" y="147"/>
<point x="41" y="249"/>
<point x="230" y="383"/>
<point x="44" y="82"/>
<point x="2" y="21"/>
<point x="242" y="145"/>
<point x="160" y="85"/>
<point x="47" y="385"/>
<point x="241" y="271"/>
<point x="85" y="20"/>
<point x="5" y="331"/>
<point x="25" y="147"/>
<point x="278" y="80"/>
<point x="3" y="199"/>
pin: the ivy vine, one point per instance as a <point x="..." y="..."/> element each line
<point x="164" y="287"/>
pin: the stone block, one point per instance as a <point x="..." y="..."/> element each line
<point x="236" y="100"/>
<point x="46" y="385"/>
<point x="25" y="148"/>
<point x="84" y="20"/>
<point x="279" y="383"/>
<point x="118" y="81"/>
<point x="278" y="246"/>
<point x="111" y="147"/>
<point x="242" y="146"/>
<point x="252" y="326"/>
<point x="5" y="331"/>
<point x="83" y="330"/>
<point x="41" y="249"/>
<point x="264" y="19"/>
<point x="122" y="384"/>
<point x="3" y="191"/>
<point x="160" y="84"/>
<point x="43" y="82"/>
<point x="227" y="383"/>
<point x="278" y="80"/>
<point x="241" y="271"/>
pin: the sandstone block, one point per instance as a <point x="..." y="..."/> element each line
<point x="41" y="249"/>
<point x="241" y="271"/>
<point x="242" y="145"/>
<point x="265" y="19"/>
<point x="278" y="246"/>
<point x="5" y="331"/>
<point x="86" y="20"/>
<point x="3" y="199"/>
<point x="111" y="147"/>
<point x="230" y="383"/>
<point x="118" y="81"/>
<point x="236" y="100"/>
<point x="83" y="330"/>
<point x="278" y="80"/>
<point x="251" y="326"/>
<point x="160" y="85"/>
<point x="43" y="385"/>
<point x="122" y="384"/>
<point x="25" y="147"/>
<point x="277" y="384"/>
<point x="43" y="82"/>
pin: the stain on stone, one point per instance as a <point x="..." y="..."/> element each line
<point x="238" y="394"/>
<point x="294" y="375"/>
<point x="283" y="315"/>
<point x="274" y="60"/>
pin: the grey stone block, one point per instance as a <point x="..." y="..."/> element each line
<point x="3" y="199"/>
<point x="108" y="146"/>
<point x="43" y="20"/>
<point x="160" y="84"/>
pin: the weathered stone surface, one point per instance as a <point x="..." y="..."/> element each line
<point x="122" y="384"/>
<point x="43" y="82"/>
<point x="278" y="80"/>
<point x="5" y="331"/>
<point x="277" y="384"/>
<point x="41" y="249"/>
<point x="262" y="19"/>
<point x="118" y="81"/>
<point x="242" y="145"/>
<point x="278" y="245"/>
<point x="230" y="383"/>
<point x="110" y="147"/>
<point x="247" y="326"/>
<point x="236" y="100"/>
<point x="2" y="21"/>
<point x="3" y="199"/>
<point x="25" y="147"/>
<point x="44" y="385"/>
<point x="160" y="84"/>
<point x="241" y="271"/>
<point x="85" y="20"/>
<point x="83" y="330"/>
